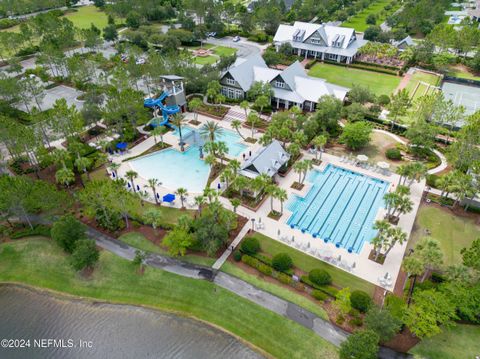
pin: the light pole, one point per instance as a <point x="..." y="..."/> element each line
<point x="253" y="224"/>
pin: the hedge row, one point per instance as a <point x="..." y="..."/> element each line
<point x="265" y="260"/>
<point x="37" y="230"/>
<point x="327" y="289"/>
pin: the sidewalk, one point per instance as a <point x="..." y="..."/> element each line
<point x="217" y="265"/>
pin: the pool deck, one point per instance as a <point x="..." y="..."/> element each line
<point x="356" y="264"/>
<point x="364" y="268"/>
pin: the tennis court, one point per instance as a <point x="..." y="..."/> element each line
<point x="462" y="95"/>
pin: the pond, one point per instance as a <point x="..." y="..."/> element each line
<point x="100" y="330"/>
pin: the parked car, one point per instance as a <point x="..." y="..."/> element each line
<point x="236" y="39"/>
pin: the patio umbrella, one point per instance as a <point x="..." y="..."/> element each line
<point x="383" y="165"/>
<point x="168" y="198"/>
<point x="362" y="158"/>
<point x="121" y="145"/>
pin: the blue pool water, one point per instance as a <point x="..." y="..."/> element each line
<point x="231" y="138"/>
<point x="174" y="169"/>
<point x="340" y="208"/>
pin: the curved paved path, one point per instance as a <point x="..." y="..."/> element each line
<point x="321" y="327"/>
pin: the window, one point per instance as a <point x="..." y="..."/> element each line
<point x="230" y="81"/>
<point x="315" y="41"/>
<point x="279" y="84"/>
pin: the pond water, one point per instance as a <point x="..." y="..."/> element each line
<point x="106" y="331"/>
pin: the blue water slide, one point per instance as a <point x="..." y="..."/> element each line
<point x="166" y="110"/>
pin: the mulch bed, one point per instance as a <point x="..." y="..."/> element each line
<point x="297" y="185"/>
<point x="333" y="313"/>
<point x="380" y="260"/>
<point x="274" y="215"/>
<point x="403" y="341"/>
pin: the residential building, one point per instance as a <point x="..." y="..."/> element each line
<point x="267" y="160"/>
<point x="320" y="41"/>
<point x="291" y="86"/>
<point x="401" y="45"/>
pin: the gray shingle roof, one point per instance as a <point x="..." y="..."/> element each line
<point x="266" y="160"/>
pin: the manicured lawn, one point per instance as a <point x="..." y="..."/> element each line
<point x="453" y="232"/>
<point x="39" y="262"/>
<point x="459" y="342"/>
<point x="306" y="263"/>
<point x="275" y="289"/>
<point x="224" y="51"/>
<point x="358" y="20"/>
<point x="137" y="240"/>
<point x="340" y="75"/>
<point x="462" y="73"/>
<point x="169" y="214"/>
<point x="206" y="60"/>
<point x="87" y="15"/>
<point x="423" y="78"/>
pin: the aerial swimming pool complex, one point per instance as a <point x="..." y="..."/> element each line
<point x="175" y="169"/>
<point x="339" y="208"/>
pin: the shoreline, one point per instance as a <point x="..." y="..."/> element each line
<point x="65" y="296"/>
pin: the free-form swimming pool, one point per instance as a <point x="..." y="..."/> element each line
<point x="174" y="169"/>
<point x="231" y="139"/>
<point x="340" y="208"/>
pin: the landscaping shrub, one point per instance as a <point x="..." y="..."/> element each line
<point x="340" y="319"/>
<point x="38" y="230"/>
<point x="282" y="262"/>
<point x="263" y="268"/>
<point x="250" y="245"/>
<point x="358" y="322"/>
<point x="319" y="295"/>
<point x="432" y="180"/>
<point x="284" y="278"/>
<point x="360" y="300"/>
<point x="383" y="100"/>
<point x="237" y="256"/>
<point x="320" y="276"/>
<point x="393" y="154"/>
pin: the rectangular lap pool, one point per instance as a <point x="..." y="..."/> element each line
<point x="340" y="207"/>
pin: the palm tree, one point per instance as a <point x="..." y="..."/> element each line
<point x="199" y="201"/>
<point x="222" y="150"/>
<point x="282" y="196"/>
<point x="153" y="216"/>
<point x="307" y="165"/>
<point x="378" y="242"/>
<point x="391" y="200"/>
<point x="253" y="120"/>
<point x="237" y="125"/>
<point x="445" y="183"/>
<point x="65" y="176"/>
<point x="194" y="105"/>
<point x="271" y="190"/>
<point x="403" y="171"/>
<point x="211" y="130"/>
<point x="462" y="188"/>
<point x="417" y="172"/>
<point x="210" y="193"/>
<point x="319" y="142"/>
<point x="235" y="203"/>
<point x="262" y="101"/>
<point x="210" y="160"/>
<point x="152" y="184"/>
<point x="131" y="175"/>
<point x="158" y="131"/>
<point x="226" y="176"/>
<point x="178" y="120"/>
<point x="183" y="193"/>
<point x="240" y="183"/>
<point x="395" y="235"/>
<point x="298" y="168"/>
<point x="245" y="106"/>
<point x="82" y="163"/>
<point x="235" y="166"/>
<point x="114" y="168"/>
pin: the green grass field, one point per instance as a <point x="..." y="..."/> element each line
<point x="462" y="73"/>
<point x="358" y="20"/>
<point x="459" y="342"/>
<point x="380" y="84"/>
<point x="306" y="263"/>
<point x="137" y="240"/>
<point x="224" y="51"/>
<point x="40" y="263"/>
<point x="422" y="78"/>
<point x="207" y="60"/>
<point x="453" y="232"/>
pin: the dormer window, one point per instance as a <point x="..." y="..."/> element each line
<point x="298" y="35"/>
<point x="279" y="84"/>
<point x="230" y="81"/>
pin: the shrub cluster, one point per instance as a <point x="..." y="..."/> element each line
<point x="250" y="245"/>
<point x="393" y="154"/>
<point x="37" y="230"/>
<point x="320" y="277"/>
<point x="282" y="262"/>
<point x="360" y="300"/>
<point x="319" y="295"/>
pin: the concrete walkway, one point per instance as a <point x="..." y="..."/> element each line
<point x="231" y="247"/>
